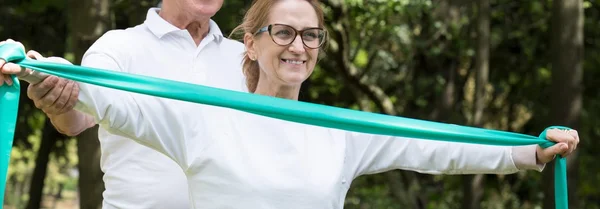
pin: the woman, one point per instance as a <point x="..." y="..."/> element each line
<point x="234" y="159"/>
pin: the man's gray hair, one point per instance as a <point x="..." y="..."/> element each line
<point x="159" y="5"/>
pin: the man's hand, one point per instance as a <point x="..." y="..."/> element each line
<point x="53" y="95"/>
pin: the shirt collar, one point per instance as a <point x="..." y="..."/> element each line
<point x="215" y="31"/>
<point x="160" y="27"/>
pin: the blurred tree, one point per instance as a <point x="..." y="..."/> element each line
<point x="47" y="144"/>
<point x="473" y="188"/>
<point x="567" y="75"/>
<point x="88" y="20"/>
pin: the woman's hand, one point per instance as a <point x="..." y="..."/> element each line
<point x="53" y="95"/>
<point x="566" y="143"/>
<point x="7" y="69"/>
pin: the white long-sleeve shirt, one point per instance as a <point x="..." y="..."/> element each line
<point x="135" y="176"/>
<point x="234" y="159"/>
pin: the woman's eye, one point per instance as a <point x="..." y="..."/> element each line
<point x="311" y="35"/>
<point x="283" y="33"/>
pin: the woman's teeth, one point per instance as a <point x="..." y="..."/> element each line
<point x="295" y="62"/>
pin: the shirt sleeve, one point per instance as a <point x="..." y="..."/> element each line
<point x="150" y="121"/>
<point x="371" y="154"/>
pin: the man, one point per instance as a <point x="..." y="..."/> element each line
<point x="177" y="42"/>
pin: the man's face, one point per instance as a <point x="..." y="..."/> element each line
<point x="195" y="8"/>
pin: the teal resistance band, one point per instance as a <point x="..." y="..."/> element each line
<point x="9" y="107"/>
<point x="296" y="111"/>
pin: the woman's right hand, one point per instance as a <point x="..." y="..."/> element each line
<point x="7" y="69"/>
<point x="53" y="95"/>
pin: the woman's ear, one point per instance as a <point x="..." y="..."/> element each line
<point x="249" y="43"/>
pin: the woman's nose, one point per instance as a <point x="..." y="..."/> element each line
<point x="297" y="46"/>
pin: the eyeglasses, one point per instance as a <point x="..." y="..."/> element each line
<point x="284" y="35"/>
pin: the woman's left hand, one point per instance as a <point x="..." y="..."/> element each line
<point x="566" y="143"/>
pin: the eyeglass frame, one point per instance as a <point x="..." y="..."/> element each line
<point x="298" y="32"/>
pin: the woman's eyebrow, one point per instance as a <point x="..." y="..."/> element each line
<point x="310" y="27"/>
<point x="303" y="28"/>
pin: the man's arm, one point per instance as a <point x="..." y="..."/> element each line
<point x="72" y="123"/>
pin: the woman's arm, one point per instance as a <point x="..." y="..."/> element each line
<point x="370" y="154"/>
<point x="151" y="121"/>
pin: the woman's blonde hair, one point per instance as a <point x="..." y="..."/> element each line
<point x="256" y="17"/>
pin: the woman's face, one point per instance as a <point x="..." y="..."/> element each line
<point x="279" y="49"/>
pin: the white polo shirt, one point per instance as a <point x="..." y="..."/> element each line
<point x="136" y="176"/>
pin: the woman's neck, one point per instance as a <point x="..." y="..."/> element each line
<point x="277" y="90"/>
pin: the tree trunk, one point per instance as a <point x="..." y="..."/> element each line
<point x="473" y="184"/>
<point x="91" y="185"/>
<point x="446" y="101"/>
<point x="567" y="75"/>
<point x="89" y="19"/>
<point x="58" y="195"/>
<point x="49" y="138"/>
